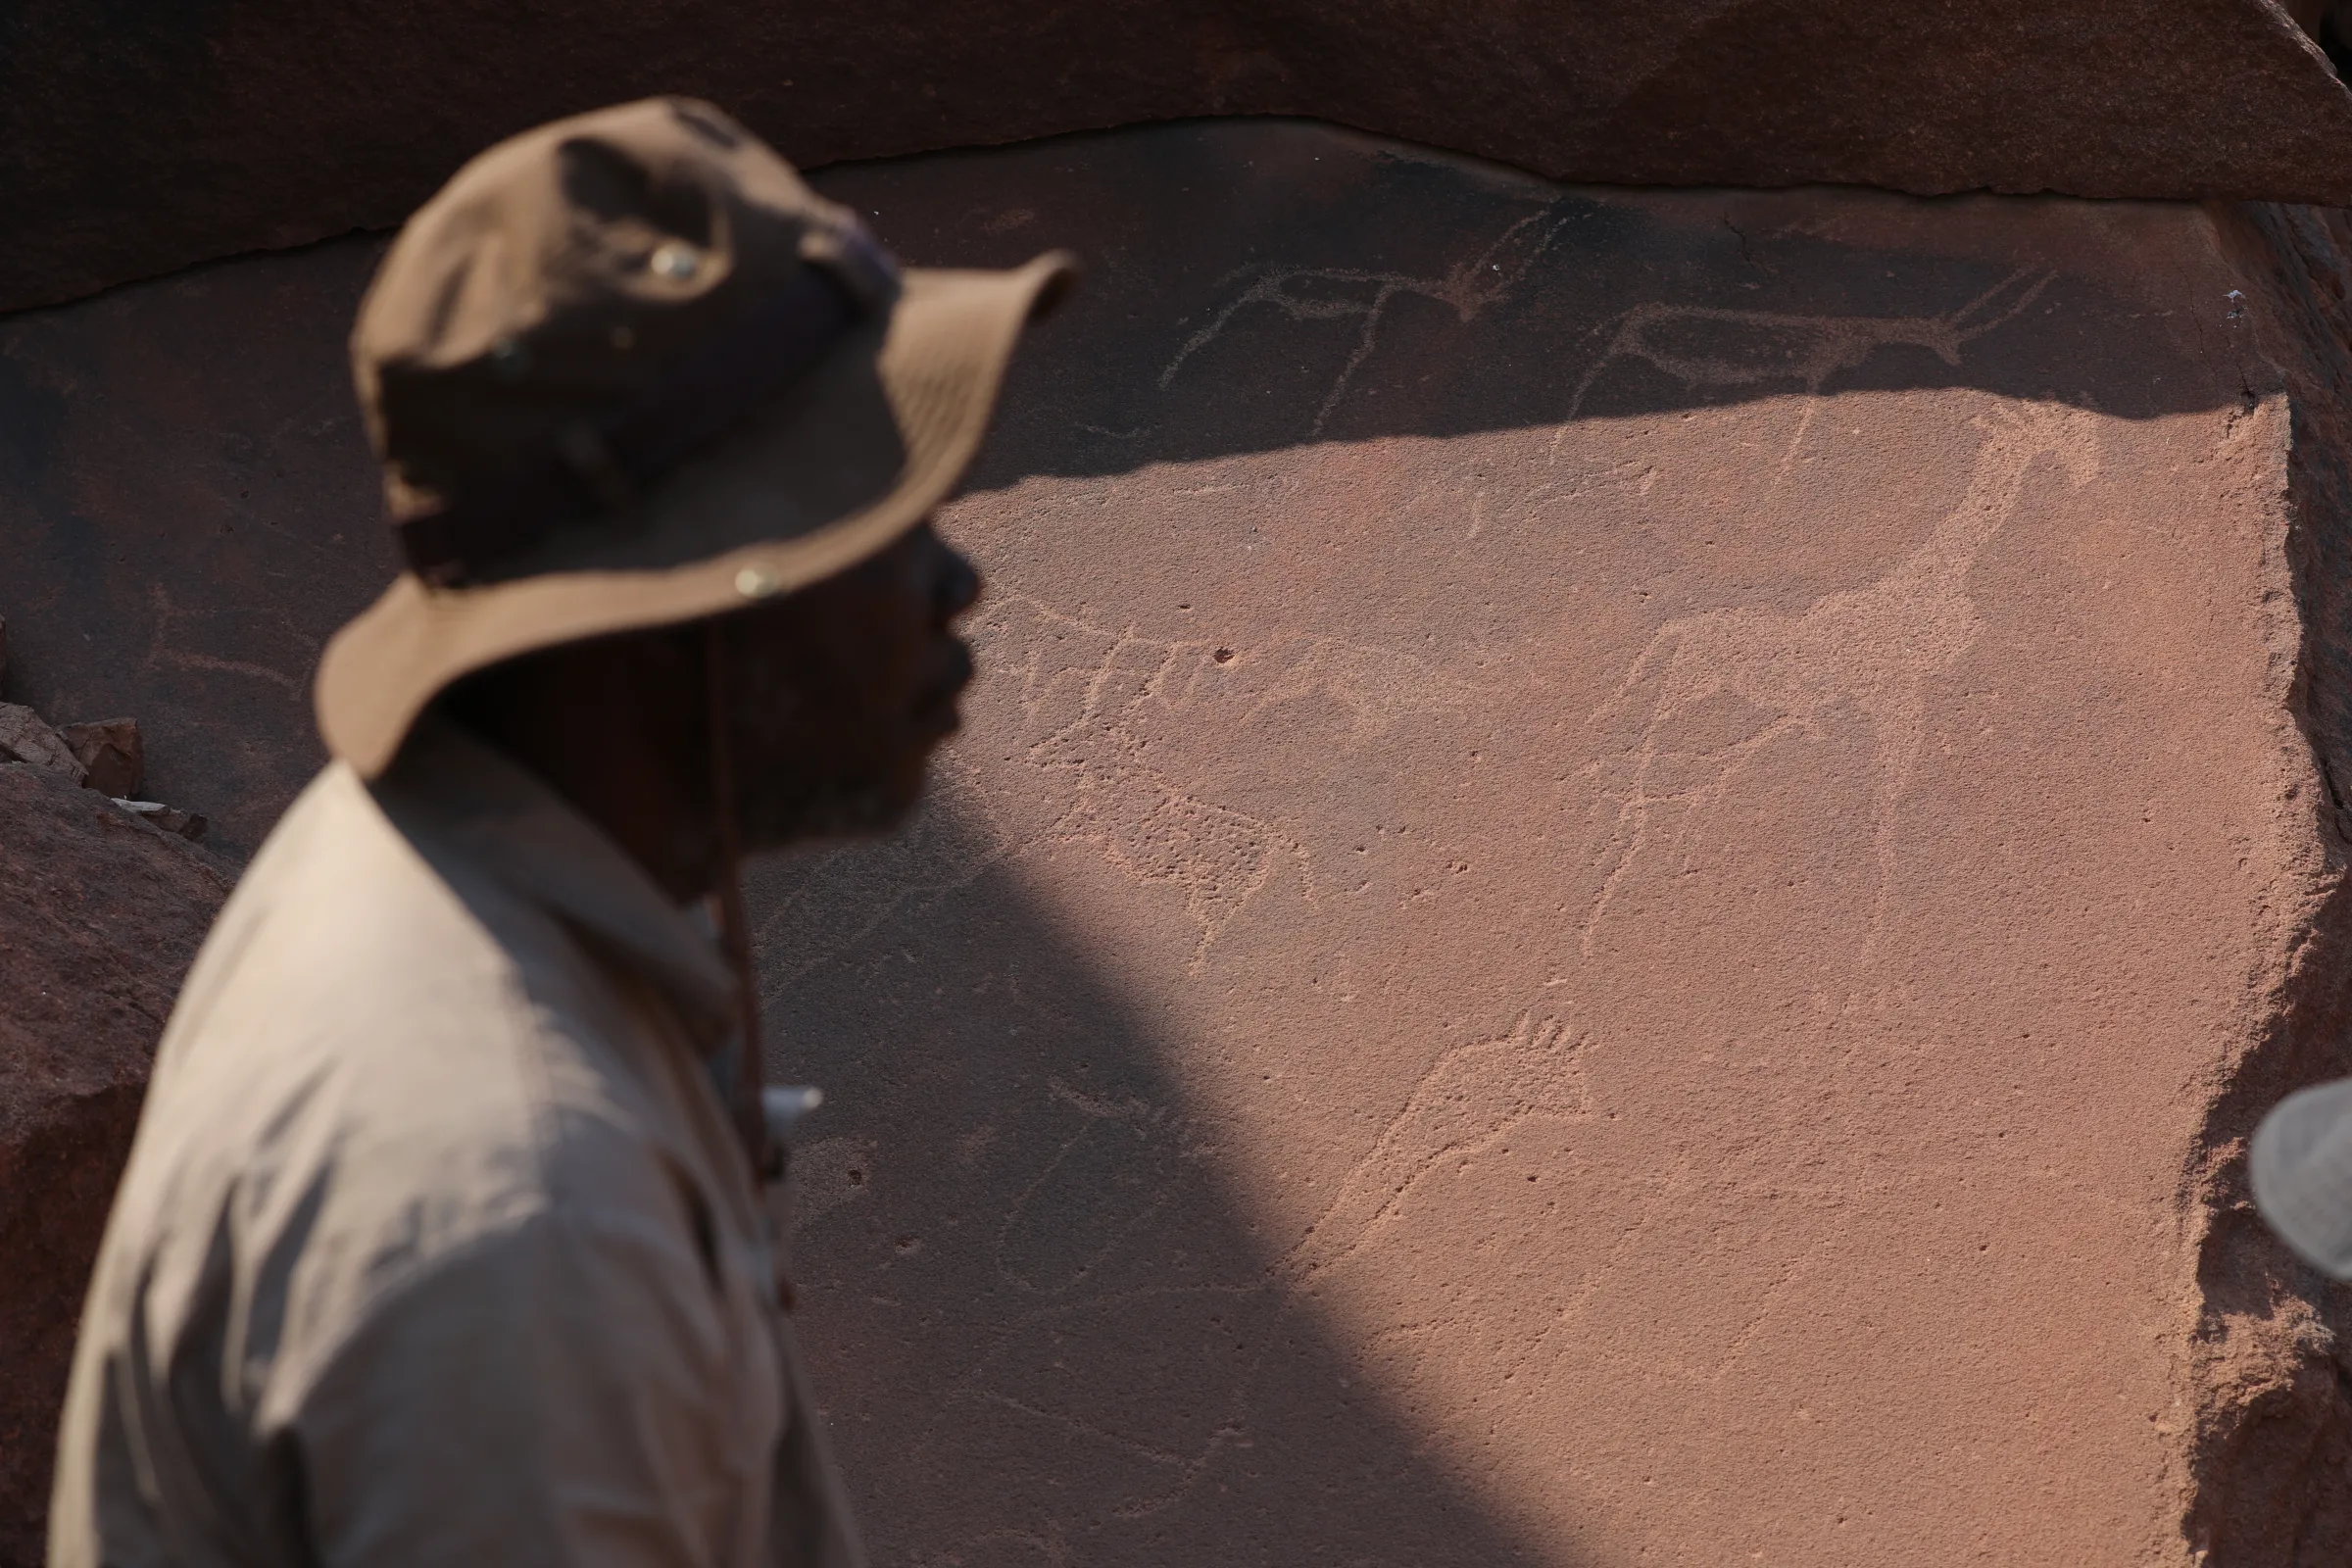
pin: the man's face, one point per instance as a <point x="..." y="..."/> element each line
<point x="841" y="690"/>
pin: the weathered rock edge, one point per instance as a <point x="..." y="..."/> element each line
<point x="135" y="141"/>
<point x="99" y="917"/>
<point x="2270" y="1357"/>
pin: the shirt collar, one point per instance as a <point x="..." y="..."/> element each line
<point x="503" y="819"/>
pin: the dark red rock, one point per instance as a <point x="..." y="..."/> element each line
<point x="169" y="818"/>
<point x="110" y="753"/>
<point x="99" y="917"/>
<point x="134" y="141"/>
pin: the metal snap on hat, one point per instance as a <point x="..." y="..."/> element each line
<point x="626" y="371"/>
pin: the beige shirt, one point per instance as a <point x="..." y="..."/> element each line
<point x="437" y="1245"/>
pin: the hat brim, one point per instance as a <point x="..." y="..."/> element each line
<point x="863" y="449"/>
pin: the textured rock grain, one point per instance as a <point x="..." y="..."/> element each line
<point x="99" y="917"/>
<point x="137" y="139"/>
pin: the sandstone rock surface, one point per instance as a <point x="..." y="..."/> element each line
<point x="1625" y="868"/>
<point x="99" y="917"/>
<point x="135" y="141"/>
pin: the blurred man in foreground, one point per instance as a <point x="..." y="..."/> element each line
<point x="443" y="1238"/>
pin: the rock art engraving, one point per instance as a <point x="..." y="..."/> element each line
<point x="1874" y="649"/>
<point x="1474" y="1096"/>
<point x="1472" y="1101"/>
<point x="1466" y="1107"/>
<point x="1079" y="729"/>
<point x="1337" y="293"/>
<point x="1184" y="1469"/>
<point x="1087" y="708"/>
<point x="164" y="646"/>
<point x="1729" y="348"/>
<point x="1092" y="704"/>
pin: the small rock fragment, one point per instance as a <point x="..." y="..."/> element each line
<point x="96" y="930"/>
<point x="110" y="753"/>
<point x="25" y="738"/>
<point x="187" y="824"/>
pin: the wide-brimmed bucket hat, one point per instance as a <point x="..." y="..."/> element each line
<point x="627" y="370"/>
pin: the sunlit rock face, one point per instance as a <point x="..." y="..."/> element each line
<point x="1610" y="871"/>
<point x="1623" y="870"/>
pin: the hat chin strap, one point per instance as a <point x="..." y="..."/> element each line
<point x="734" y="931"/>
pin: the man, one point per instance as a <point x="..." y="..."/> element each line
<point x="442" y="1239"/>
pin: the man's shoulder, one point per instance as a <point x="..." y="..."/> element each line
<point x="351" y="982"/>
<point x="342" y="899"/>
<point x="382" y="1062"/>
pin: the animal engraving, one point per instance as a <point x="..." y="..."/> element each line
<point x="1703" y="346"/>
<point x="1087" y="697"/>
<point x="1874" y="647"/>
<point x="1706" y="346"/>
<point x="1097" y="706"/>
<point x="1337" y="293"/>
<point x="1085" y="713"/>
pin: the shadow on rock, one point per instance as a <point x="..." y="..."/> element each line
<point x="1046" y="1322"/>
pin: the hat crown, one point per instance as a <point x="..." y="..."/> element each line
<point x="584" y="305"/>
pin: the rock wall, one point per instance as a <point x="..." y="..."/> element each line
<point x="189" y="510"/>
<point x="137" y="138"/>
<point x="1626" y="866"/>
<point x="2272" y="1357"/>
<point x="100" y="919"/>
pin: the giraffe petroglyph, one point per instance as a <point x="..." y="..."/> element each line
<point x="1874" y="647"/>
<point x="1336" y="293"/>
